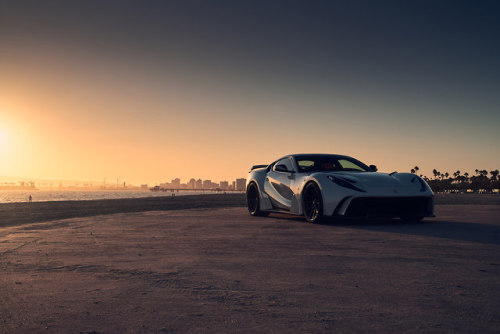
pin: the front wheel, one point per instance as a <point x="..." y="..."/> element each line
<point x="313" y="203"/>
<point x="253" y="201"/>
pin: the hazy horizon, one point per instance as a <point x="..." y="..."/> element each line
<point x="151" y="91"/>
<point x="5" y="179"/>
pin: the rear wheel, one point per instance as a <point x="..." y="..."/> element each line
<point x="313" y="203"/>
<point x="253" y="201"/>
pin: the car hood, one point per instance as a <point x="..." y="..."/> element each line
<point x="370" y="178"/>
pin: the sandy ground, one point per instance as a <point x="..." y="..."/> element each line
<point x="21" y="213"/>
<point x="221" y="270"/>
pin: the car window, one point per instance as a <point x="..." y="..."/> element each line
<point x="286" y="162"/>
<point x="329" y="163"/>
<point x="305" y="165"/>
<point x="348" y="165"/>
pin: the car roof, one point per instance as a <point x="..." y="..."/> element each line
<point x="299" y="155"/>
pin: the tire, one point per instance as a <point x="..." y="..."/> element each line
<point x="411" y="219"/>
<point x="253" y="201"/>
<point x="312" y="203"/>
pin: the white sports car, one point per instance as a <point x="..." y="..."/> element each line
<point x="319" y="185"/>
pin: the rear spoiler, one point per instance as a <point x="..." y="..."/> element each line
<point x="257" y="166"/>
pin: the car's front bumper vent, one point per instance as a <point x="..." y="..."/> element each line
<point x="389" y="207"/>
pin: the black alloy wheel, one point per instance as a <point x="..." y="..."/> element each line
<point x="253" y="201"/>
<point x="313" y="203"/>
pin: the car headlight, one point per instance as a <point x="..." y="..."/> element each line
<point x="345" y="183"/>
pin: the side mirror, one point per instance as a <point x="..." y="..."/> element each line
<point x="373" y="168"/>
<point x="281" y="168"/>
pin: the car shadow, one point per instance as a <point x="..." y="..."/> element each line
<point x="462" y="231"/>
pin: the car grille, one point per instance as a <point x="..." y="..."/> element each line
<point x="389" y="206"/>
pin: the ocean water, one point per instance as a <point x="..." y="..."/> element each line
<point x="13" y="196"/>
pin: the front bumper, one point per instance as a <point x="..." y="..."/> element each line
<point x="363" y="207"/>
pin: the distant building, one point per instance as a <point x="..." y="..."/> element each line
<point x="240" y="184"/>
<point x="176" y="183"/>
<point x="207" y="184"/>
<point x="144" y="186"/>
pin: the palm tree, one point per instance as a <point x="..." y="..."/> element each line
<point x="435" y="172"/>
<point x="494" y="174"/>
<point x="412" y="171"/>
<point x="416" y="168"/>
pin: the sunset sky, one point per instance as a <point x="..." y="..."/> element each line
<point x="152" y="90"/>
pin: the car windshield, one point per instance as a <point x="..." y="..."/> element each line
<point x="329" y="163"/>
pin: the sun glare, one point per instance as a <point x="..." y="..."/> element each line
<point x="5" y="125"/>
<point x="3" y="141"/>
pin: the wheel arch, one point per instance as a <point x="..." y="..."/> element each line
<point x="306" y="183"/>
<point x="258" y="180"/>
<point x="250" y="182"/>
<point x="317" y="217"/>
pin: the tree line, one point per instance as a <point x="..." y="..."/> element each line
<point x="480" y="182"/>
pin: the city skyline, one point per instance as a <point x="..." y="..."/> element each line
<point x="141" y="91"/>
<point x="176" y="183"/>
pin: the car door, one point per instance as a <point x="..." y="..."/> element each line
<point x="278" y="184"/>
